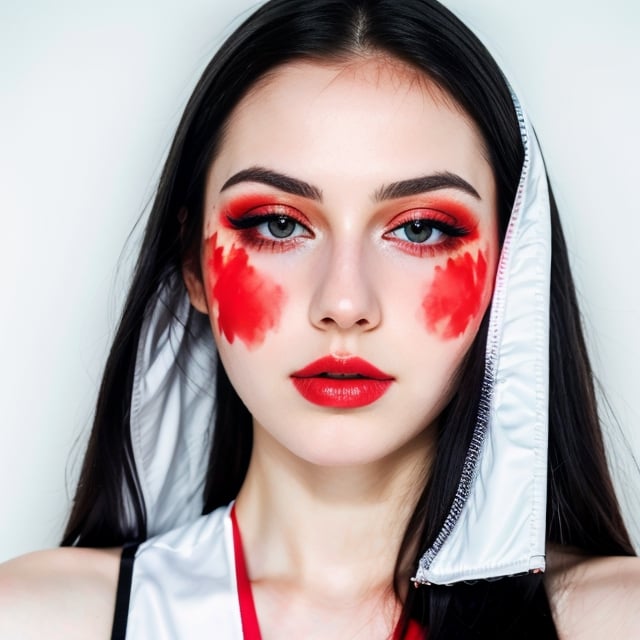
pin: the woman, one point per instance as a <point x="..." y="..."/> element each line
<point x="356" y="208"/>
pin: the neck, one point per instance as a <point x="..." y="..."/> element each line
<point x="330" y="530"/>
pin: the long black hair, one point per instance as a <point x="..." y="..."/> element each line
<point x="582" y="508"/>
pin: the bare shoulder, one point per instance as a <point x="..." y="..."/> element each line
<point x="60" y="593"/>
<point x="594" y="597"/>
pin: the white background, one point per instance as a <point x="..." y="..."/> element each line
<point x="90" y="94"/>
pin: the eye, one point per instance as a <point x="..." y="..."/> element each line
<point x="430" y="231"/>
<point x="280" y="227"/>
<point x="270" y="230"/>
<point x="419" y="232"/>
<point x="274" y="227"/>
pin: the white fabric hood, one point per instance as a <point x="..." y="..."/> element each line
<point x="496" y="526"/>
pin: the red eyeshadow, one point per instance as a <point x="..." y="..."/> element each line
<point x="249" y="303"/>
<point x="237" y="207"/>
<point x="453" y="213"/>
<point x="455" y="295"/>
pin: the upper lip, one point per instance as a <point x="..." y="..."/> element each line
<point x="348" y="366"/>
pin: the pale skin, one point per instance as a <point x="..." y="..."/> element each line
<point x="323" y="508"/>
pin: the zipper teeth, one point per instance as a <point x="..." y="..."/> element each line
<point x="466" y="478"/>
<point x="469" y="468"/>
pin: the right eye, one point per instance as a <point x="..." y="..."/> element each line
<point x="270" y="230"/>
<point x="280" y="227"/>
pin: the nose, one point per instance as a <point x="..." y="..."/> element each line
<point x="344" y="291"/>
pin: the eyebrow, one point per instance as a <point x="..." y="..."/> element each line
<point x="274" y="179"/>
<point x="401" y="189"/>
<point x="423" y="184"/>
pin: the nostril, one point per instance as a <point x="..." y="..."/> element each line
<point x="328" y="320"/>
<point x="334" y="307"/>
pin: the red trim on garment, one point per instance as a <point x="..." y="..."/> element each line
<point x="250" y="628"/>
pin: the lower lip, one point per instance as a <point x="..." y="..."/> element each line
<point x="341" y="394"/>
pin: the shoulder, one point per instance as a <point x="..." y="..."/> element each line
<point x="60" y="593"/>
<point x="594" y="597"/>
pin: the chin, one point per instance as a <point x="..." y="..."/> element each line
<point x="343" y="440"/>
<point x="342" y="459"/>
<point x="331" y="451"/>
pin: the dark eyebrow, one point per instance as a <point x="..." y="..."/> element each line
<point x="274" y="179"/>
<point x="411" y="187"/>
<point x="415" y="186"/>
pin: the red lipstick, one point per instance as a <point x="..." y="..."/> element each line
<point x="341" y="383"/>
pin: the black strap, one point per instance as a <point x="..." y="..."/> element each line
<point x="123" y="592"/>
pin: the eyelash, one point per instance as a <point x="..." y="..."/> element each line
<point x="453" y="237"/>
<point x="249" y="226"/>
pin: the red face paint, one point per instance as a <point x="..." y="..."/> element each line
<point x="455" y="296"/>
<point x="249" y="304"/>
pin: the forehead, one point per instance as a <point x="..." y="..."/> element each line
<point x="374" y="118"/>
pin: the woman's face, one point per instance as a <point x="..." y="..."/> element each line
<point x="350" y="245"/>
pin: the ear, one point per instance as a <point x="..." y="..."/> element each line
<point x="191" y="270"/>
<point x="192" y="276"/>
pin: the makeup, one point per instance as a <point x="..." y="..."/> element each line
<point x="265" y="222"/>
<point x="453" y="213"/>
<point x="341" y="383"/>
<point x="249" y="303"/>
<point x="446" y="226"/>
<point x="243" y="205"/>
<point x="455" y="296"/>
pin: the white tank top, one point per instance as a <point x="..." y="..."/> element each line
<point x="184" y="584"/>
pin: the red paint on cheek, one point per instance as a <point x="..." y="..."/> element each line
<point x="456" y="295"/>
<point x="249" y="303"/>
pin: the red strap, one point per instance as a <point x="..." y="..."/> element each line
<point x="414" y="631"/>
<point x="250" y="628"/>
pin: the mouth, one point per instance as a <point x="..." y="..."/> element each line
<point x="341" y="383"/>
<point x="342" y="376"/>
<point x="342" y="369"/>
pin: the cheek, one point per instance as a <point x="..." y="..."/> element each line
<point x="456" y="296"/>
<point x="249" y="303"/>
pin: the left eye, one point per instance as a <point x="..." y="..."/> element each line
<point x="419" y="232"/>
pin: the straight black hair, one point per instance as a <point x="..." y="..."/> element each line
<point x="582" y="508"/>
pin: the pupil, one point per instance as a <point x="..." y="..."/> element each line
<point x="418" y="231"/>
<point x="281" y="227"/>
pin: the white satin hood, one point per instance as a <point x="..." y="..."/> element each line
<point x="496" y="526"/>
<point x="172" y="409"/>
